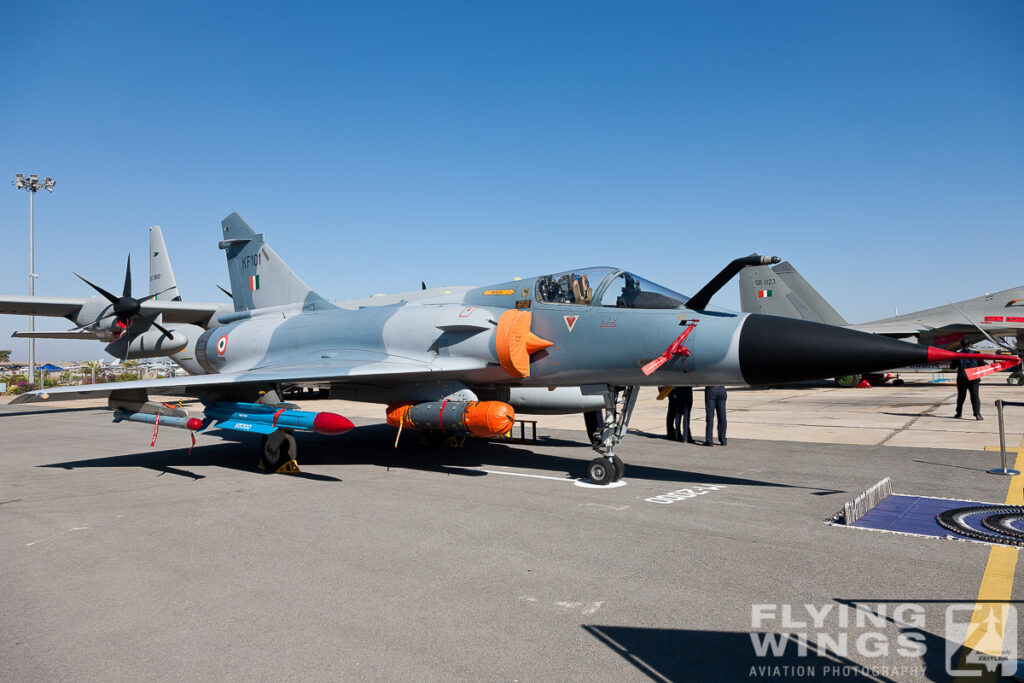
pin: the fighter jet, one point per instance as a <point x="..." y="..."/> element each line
<point x="781" y="290"/>
<point x="137" y="338"/>
<point x="447" y="361"/>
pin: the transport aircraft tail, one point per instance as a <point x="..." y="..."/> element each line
<point x="259" y="277"/>
<point x="162" y="284"/>
<point x="784" y="292"/>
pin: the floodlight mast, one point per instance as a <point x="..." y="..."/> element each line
<point x="33" y="185"/>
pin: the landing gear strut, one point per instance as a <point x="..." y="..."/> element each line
<point x="619" y="407"/>
<point x="276" y="449"/>
<point x="594" y="422"/>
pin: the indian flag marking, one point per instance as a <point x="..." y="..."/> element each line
<point x="222" y="344"/>
<point x="254" y="283"/>
<point x="764" y="293"/>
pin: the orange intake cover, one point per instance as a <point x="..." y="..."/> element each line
<point x="515" y="343"/>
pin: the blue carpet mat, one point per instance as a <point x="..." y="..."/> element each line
<point x="916" y="515"/>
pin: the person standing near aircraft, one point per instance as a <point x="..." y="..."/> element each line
<point x="714" y="402"/>
<point x="671" y="414"/>
<point x="677" y="420"/>
<point x="964" y="384"/>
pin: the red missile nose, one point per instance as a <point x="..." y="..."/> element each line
<point x="331" y="423"/>
<point x="937" y="355"/>
<point x="194" y="423"/>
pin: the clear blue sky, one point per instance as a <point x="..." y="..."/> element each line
<point x="879" y="146"/>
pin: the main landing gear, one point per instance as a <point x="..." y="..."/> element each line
<point x="608" y="467"/>
<point x="277" y="449"/>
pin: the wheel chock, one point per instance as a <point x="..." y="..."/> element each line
<point x="290" y="467"/>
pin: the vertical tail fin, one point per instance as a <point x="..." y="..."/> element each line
<point x="161" y="277"/>
<point x="784" y="292"/>
<point x="259" y="277"/>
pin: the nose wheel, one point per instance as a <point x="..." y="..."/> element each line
<point x="605" y="470"/>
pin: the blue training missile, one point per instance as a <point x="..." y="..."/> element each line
<point x="261" y="419"/>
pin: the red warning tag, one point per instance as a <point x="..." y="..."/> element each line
<point x="676" y="348"/>
<point x="156" y="429"/>
<point x="977" y="373"/>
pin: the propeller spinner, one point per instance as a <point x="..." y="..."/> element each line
<point x="125" y="308"/>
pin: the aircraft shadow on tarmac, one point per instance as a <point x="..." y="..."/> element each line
<point x="373" y="445"/>
<point x="664" y="654"/>
<point x="939" y="652"/>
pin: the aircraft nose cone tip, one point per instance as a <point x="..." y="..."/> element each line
<point x="776" y="350"/>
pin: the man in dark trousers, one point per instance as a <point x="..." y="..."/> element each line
<point x="680" y="404"/>
<point x="964" y="384"/>
<point x="714" y="402"/>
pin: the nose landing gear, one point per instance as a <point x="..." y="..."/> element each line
<point x="608" y="467"/>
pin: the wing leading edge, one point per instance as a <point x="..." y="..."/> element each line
<point x="349" y="366"/>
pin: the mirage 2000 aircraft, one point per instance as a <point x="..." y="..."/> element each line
<point x="447" y="361"/>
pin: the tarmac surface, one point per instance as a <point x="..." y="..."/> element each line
<point x="492" y="562"/>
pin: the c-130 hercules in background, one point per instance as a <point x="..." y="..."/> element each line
<point x="447" y="361"/>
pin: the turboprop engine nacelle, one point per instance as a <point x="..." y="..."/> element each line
<point x="92" y="316"/>
<point x="149" y="344"/>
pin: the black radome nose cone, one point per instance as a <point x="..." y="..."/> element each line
<point x="776" y="350"/>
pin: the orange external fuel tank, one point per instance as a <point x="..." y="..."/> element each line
<point x="480" y="418"/>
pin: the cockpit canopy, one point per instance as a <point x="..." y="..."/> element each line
<point x="603" y="286"/>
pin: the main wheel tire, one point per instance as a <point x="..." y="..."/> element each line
<point x="1015" y="379"/>
<point x="594" y="420"/>
<point x="897" y="382"/>
<point x="601" y="471"/>
<point x="275" y="457"/>
<point x="620" y="468"/>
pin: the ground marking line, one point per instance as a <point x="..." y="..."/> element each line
<point x="516" y="474"/>
<point x="532" y="476"/>
<point x="582" y="483"/>
<point x="995" y="449"/>
<point x="58" y="533"/>
<point x="985" y="634"/>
